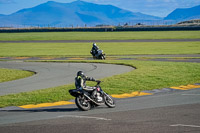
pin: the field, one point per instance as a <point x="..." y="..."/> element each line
<point x="99" y="35"/>
<point x="83" y="49"/>
<point x="148" y="75"/>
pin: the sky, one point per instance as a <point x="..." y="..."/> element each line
<point x="160" y="8"/>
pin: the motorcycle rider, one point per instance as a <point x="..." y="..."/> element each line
<point x="80" y="82"/>
<point x="94" y="50"/>
<point x="86" y="100"/>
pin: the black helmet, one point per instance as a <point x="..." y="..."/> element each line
<point x="80" y="73"/>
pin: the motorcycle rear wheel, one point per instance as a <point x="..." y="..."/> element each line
<point x="82" y="103"/>
<point x="103" y="57"/>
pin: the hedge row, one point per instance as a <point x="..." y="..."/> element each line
<point x="100" y="29"/>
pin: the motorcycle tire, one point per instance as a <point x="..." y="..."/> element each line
<point x="109" y="101"/>
<point x="103" y="57"/>
<point x="82" y="104"/>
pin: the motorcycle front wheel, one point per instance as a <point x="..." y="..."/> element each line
<point x="109" y="101"/>
<point x="82" y="103"/>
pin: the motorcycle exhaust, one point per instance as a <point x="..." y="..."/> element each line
<point x="93" y="100"/>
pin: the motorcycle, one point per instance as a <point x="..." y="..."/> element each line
<point x="86" y="100"/>
<point x="98" y="55"/>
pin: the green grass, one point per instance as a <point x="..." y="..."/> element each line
<point x="83" y="49"/>
<point x="99" y="35"/>
<point x="151" y="48"/>
<point x="12" y="74"/>
<point x="148" y="75"/>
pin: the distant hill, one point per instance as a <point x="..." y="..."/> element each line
<point x="194" y="22"/>
<point x="182" y="14"/>
<point x="76" y="13"/>
<point x="80" y="13"/>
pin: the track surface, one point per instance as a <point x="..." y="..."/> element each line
<point x="195" y="58"/>
<point x="55" y="74"/>
<point x="176" y="111"/>
<point x="173" y="112"/>
<point x="170" y="112"/>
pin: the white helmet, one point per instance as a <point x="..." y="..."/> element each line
<point x="94" y="44"/>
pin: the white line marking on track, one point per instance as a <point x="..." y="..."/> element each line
<point x="86" y="117"/>
<point x="182" y="125"/>
<point x="191" y="94"/>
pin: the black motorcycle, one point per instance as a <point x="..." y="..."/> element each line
<point x="86" y="100"/>
<point x="99" y="55"/>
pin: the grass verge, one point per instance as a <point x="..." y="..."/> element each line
<point x="83" y="49"/>
<point x="12" y="74"/>
<point x="99" y="35"/>
<point x="148" y="75"/>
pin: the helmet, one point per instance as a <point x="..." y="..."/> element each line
<point x="80" y="73"/>
<point x="94" y="44"/>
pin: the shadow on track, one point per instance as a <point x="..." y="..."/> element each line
<point x="63" y="109"/>
<point x="43" y="110"/>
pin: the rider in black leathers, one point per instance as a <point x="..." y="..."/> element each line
<point x="80" y="82"/>
<point x="95" y="49"/>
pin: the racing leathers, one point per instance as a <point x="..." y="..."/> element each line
<point x="94" y="50"/>
<point x="80" y="83"/>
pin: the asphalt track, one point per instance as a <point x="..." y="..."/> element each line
<point x="54" y="74"/>
<point x="195" y="58"/>
<point x="173" y="111"/>
<point x="170" y="112"/>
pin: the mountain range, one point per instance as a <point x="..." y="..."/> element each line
<point x="182" y="14"/>
<point x="82" y="14"/>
